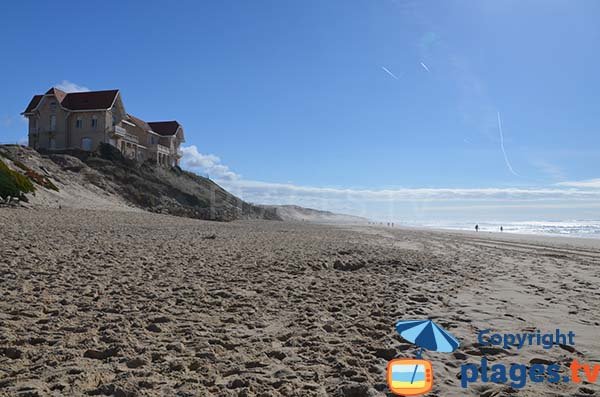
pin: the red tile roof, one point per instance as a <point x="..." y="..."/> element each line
<point x="165" y="128"/>
<point x="59" y="94"/>
<point x="139" y="122"/>
<point x="33" y="103"/>
<point x="90" y="100"/>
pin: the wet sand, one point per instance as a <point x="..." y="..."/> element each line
<point x="131" y="303"/>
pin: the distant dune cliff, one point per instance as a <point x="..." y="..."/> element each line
<point x="296" y="213"/>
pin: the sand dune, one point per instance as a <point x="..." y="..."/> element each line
<point x="295" y="213"/>
<point x="131" y="303"/>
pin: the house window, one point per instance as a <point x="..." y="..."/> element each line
<point x="114" y="119"/>
<point x="52" y="143"/>
<point x="94" y="122"/>
<point x="53" y="123"/>
<point x="33" y="123"/>
<point x="79" y="122"/>
<point x="53" y="106"/>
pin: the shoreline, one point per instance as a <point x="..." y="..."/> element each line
<point x="578" y="240"/>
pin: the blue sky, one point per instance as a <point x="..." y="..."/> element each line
<point x="387" y="109"/>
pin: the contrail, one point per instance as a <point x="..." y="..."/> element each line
<point x="388" y="72"/>
<point x="424" y="66"/>
<point x="510" y="168"/>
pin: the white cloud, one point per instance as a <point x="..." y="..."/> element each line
<point x="410" y="202"/>
<point x="427" y="203"/>
<point x="206" y="163"/>
<point x="267" y="189"/>
<point x="211" y="164"/>
<point x="68" y="86"/>
<point x="589" y="183"/>
<point x="549" y="169"/>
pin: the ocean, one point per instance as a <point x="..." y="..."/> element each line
<point x="585" y="228"/>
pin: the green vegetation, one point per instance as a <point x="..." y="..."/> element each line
<point x="40" y="180"/>
<point x="34" y="176"/>
<point x="7" y="186"/>
<point x="13" y="184"/>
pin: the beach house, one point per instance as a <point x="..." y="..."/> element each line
<point x="83" y="120"/>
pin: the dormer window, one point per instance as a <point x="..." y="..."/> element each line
<point x="79" y="123"/>
<point x="53" y="106"/>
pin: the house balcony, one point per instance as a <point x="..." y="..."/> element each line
<point x="122" y="132"/>
<point x="159" y="149"/>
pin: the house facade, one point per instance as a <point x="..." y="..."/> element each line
<point x="84" y="120"/>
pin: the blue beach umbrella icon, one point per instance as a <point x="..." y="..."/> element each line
<point x="426" y="335"/>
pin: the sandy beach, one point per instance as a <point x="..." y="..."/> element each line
<point x="139" y="304"/>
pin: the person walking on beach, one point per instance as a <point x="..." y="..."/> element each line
<point x="476" y="228"/>
<point x="501" y="229"/>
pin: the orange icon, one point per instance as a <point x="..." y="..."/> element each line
<point x="409" y="376"/>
